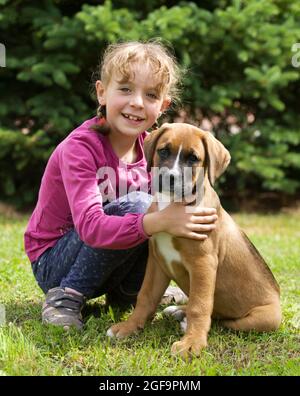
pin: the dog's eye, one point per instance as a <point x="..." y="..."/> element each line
<point x="192" y="158"/>
<point x="164" y="153"/>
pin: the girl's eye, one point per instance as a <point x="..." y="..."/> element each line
<point x="124" y="89"/>
<point x="152" y="95"/>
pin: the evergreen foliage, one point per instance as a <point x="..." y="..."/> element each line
<point x="240" y="80"/>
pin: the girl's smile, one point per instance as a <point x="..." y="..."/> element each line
<point x="132" y="117"/>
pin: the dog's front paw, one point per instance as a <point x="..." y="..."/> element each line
<point x="122" y="330"/>
<point x="188" y="346"/>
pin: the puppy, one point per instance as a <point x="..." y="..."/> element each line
<point x="224" y="275"/>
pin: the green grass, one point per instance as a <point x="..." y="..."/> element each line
<point x="29" y="348"/>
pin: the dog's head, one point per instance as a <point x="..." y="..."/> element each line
<point x="180" y="152"/>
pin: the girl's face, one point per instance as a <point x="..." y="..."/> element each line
<point x="132" y="106"/>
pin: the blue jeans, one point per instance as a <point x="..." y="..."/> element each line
<point x="93" y="272"/>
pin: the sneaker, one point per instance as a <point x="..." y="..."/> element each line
<point x="63" y="308"/>
<point x="174" y="295"/>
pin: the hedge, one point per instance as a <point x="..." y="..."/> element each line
<point x="240" y="81"/>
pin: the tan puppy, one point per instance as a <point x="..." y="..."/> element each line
<point x="224" y="276"/>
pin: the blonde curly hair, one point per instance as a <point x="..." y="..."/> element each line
<point x="121" y="59"/>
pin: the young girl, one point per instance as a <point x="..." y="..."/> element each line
<point x="84" y="240"/>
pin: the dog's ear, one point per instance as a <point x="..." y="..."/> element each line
<point x="217" y="157"/>
<point x="150" y="144"/>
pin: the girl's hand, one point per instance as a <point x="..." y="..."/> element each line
<point x="176" y="220"/>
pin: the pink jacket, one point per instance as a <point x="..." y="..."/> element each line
<point x="70" y="196"/>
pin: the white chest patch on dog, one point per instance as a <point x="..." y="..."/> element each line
<point x="163" y="239"/>
<point x="167" y="250"/>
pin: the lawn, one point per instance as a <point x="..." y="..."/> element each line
<point x="29" y="348"/>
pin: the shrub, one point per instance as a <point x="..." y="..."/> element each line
<point x="240" y="82"/>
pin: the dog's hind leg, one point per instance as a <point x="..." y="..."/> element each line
<point x="262" y="318"/>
